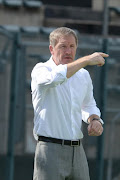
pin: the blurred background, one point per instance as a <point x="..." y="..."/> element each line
<point x="24" y="30"/>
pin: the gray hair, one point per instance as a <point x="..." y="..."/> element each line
<point x="62" y="31"/>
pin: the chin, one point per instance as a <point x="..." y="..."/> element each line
<point x="68" y="61"/>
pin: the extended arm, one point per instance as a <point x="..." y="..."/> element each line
<point x="90" y="60"/>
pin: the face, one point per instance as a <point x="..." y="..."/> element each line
<point x="65" y="50"/>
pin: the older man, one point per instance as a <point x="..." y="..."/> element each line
<point x="62" y="95"/>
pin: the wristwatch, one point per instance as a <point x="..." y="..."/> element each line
<point x="98" y="119"/>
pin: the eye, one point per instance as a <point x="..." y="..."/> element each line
<point x="63" y="46"/>
<point x="72" y="46"/>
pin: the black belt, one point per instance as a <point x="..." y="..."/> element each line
<point x="59" y="141"/>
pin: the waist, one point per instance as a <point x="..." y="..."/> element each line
<point x="59" y="141"/>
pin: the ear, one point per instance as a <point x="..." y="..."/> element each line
<point x="51" y="49"/>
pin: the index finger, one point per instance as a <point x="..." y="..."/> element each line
<point x="103" y="54"/>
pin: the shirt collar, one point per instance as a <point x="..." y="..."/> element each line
<point x="52" y="63"/>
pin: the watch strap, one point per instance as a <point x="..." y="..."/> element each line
<point x="98" y="119"/>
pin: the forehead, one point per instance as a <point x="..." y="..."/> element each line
<point x="67" y="39"/>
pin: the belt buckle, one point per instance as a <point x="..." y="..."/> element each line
<point x="77" y="143"/>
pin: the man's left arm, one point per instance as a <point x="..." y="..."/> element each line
<point x="95" y="127"/>
<point x="90" y="111"/>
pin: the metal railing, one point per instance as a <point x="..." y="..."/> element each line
<point x="29" y="46"/>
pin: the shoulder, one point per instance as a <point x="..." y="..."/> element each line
<point x="40" y="66"/>
<point x="83" y="72"/>
<point x="85" y="76"/>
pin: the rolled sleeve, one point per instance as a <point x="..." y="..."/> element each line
<point x="62" y="69"/>
<point x="45" y="76"/>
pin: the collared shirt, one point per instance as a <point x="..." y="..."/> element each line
<point x="60" y="103"/>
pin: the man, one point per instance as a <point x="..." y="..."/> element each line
<point x="62" y="95"/>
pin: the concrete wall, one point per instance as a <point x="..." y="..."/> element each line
<point x="98" y="4"/>
<point x="21" y="16"/>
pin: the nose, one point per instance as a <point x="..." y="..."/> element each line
<point x="68" y="50"/>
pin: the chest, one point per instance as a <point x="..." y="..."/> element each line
<point x="74" y="90"/>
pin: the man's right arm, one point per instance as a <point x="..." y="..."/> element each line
<point x="96" y="58"/>
<point x="46" y="77"/>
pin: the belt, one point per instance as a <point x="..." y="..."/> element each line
<point x="59" y="141"/>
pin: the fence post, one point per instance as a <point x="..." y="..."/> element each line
<point x="102" y="93"/>
<point x="102" y="105"/>
<point x="12" y="110"/>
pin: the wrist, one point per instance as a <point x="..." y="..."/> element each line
<point x="84" y="61"/>
<point x="98" y="119"/>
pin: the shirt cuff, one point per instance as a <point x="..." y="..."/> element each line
<point x="62" y="69"/>
<point x="86" y="115"/>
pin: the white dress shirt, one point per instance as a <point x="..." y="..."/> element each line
<point x="60" y="104"/>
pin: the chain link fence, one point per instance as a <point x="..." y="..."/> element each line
<point x="20" y="49"/>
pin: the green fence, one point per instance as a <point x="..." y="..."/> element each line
<point x="20" y="49"/>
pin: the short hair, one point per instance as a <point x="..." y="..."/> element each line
<point x="62" y="31"/>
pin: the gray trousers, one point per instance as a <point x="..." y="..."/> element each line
<point x="60" y="162"/>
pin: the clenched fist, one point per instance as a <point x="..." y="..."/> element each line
<point x="95" y="128"/>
